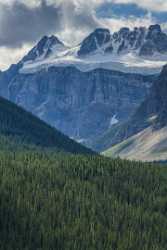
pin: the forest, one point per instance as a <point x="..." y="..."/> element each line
<point x="62" y="201"/>
<point x="55" y="194"/>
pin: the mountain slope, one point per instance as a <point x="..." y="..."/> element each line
<point x="18" y="127"/>
<point x="147" y="145"/>
<point x="144" y="135"/>
<point x="80" y="104"/>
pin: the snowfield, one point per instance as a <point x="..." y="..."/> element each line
<point x="129" y="63"/>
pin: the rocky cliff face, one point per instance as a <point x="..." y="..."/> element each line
<point x="144" y="136"/>
<point x="82" y="105"/>
<point x="151" y="113"/>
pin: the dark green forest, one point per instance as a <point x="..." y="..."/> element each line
<point x="58" y="195"/>
<point x="56" y="201"/>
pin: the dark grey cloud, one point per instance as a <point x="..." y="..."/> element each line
<point x="21" y="24"/>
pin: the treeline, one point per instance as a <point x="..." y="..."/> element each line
<point x="62" y="202"/>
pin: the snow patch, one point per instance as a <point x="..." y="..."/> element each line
<point x="113" y="121"/>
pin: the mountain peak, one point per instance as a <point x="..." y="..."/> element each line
<point x="124" y="31"/>
<point x="164" y="70"/>
<point x="43" y="48"/>
<point x="101" y="30"/>
<point x="154" y="31"/>
<point x="155" y="28"/>
<point x="95" y="40"/>
<point x="48" y="41"/>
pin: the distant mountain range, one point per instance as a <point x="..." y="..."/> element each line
<point x="144" y="136"/>
<point x="140" y="50"/>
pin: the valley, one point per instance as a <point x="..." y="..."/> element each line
<point x="83" y="130"/>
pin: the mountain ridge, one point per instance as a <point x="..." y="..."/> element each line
<point x="141" y="50"/>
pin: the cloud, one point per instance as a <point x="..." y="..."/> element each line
<point x="20" y="24"/>
<point x="27" y="21"/>
<point x="10" y="56"/>
<point x="114" y="24"/>
<point x="23" y="23"/>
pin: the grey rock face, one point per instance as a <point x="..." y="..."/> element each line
<point x="81" y="105"/>
<point x="152" y="112"/>
<point x="156" y="41"/>
<point x="43" y="48"/>
<point x="144" y="42"/>
<point x="95" y="40"/>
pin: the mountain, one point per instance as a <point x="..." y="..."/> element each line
<point x="81" y="90"/>
<point x="144" y="136"/>
<point x="82" y="105"/>
<point x="145" y="42"/>
<point x="45" y="48"/>
<point x="142" y="50"/>
<point x="98" y="39"/>
<point x="19" y="128"/>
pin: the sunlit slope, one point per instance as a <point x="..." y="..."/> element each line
<point x="148" y="145"/>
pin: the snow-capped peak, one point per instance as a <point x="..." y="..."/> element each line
<point x="140" y="50"/>
<point x="44" y="48"/>
<point x="95" y="41"/>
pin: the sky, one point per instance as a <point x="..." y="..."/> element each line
<point x="24" y="22"/>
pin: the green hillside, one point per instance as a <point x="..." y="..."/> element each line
<point x="18" y="128"/>
<point x="57" y="201"/>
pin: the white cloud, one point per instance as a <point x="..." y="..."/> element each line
<point x="152" y="5"/>
<point x="10" y="56"/>
<point x="114" y="24"/>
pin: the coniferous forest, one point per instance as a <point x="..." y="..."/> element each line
<point x="54" y="201"/>
<point x="58" y="195"/>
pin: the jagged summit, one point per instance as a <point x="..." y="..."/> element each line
<point x="144" y="42"/>
<point x="44" y="48"/>
<point x="154" y="29"/>
<point x="100" y="37"/>
<point x="141" y="50"/>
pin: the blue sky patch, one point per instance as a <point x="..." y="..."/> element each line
<point x="128" y="10"/>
